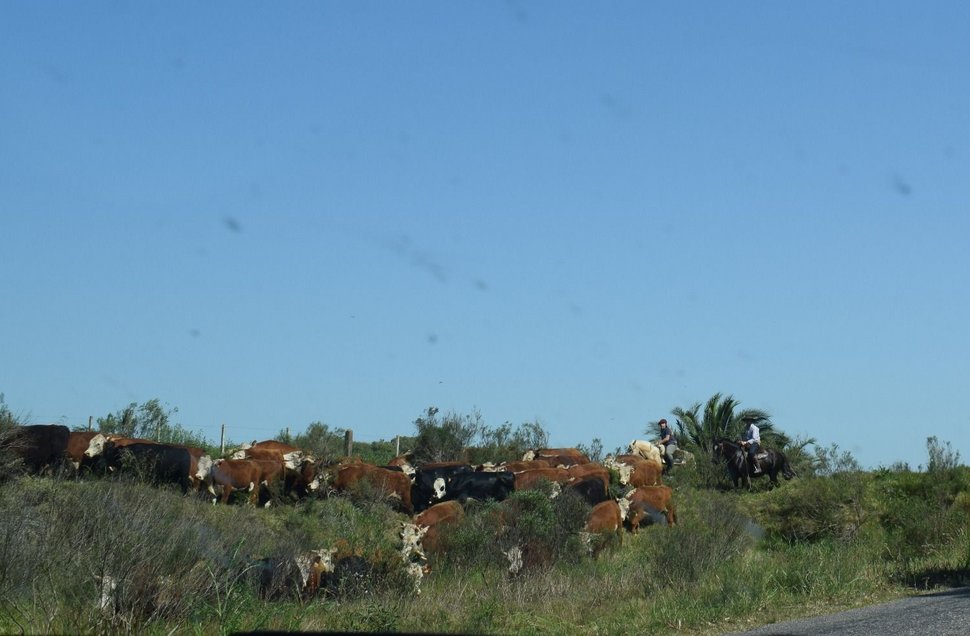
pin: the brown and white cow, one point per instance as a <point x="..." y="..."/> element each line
<point x="242" y="474"/>
<point x="77" y="443"/>
<point x="648" y="500"/>
<point x="519" y="466"/>
<point x="604" y="524"/>
<point x="391" y="483"/>
<point x="531" y="479"/>
<point x="580" y="472"/>
<point x="437" y="519"/>
<point x="636" y="471"/>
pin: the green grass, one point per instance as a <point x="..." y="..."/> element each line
<point x="810" y="547"/>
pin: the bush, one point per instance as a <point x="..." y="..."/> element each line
<point x="545" y="530"/>
<point x="712" y="533"/>
<point x="921" y="512"/>
<point x="814" y="508"/>
<point x="167" y="559"/>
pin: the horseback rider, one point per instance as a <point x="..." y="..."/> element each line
<point x="751" y="440"/>
<point x="669" y="442"/>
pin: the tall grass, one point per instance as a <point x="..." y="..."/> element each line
<point x="182" y="565"/>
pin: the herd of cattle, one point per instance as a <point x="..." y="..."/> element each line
<point x="434" y="495"/>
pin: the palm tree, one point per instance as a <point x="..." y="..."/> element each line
<point x="722" y="418"/>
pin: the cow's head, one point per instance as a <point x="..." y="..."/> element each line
<point x="514" y="555"/>
<point x="417" y="571"/>
<point x="203" y="468"/>
<point x="439" y="488"/>
<point x="293" y="459"/>
<point x="529" y="456"/>
<point x="96" y="445"/>
<point x="411" y="536"/>
<point x="624" y="505"/>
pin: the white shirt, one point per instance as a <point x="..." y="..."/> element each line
<point x="752" y="434"/>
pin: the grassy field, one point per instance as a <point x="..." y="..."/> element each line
<point x="182" y="565"/>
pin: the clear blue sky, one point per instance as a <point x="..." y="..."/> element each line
<point x="588" y="214"/>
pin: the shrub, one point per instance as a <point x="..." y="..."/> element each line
<point x="545" y="530"/>
<point x="713" y="532"/>
<point x="814" y="508"/>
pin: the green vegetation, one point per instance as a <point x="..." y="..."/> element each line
<point x="836" y="537"/>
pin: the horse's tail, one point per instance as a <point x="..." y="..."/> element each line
<point x="786" y="468"/>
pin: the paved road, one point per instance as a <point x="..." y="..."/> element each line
<point x="940" y="614"/>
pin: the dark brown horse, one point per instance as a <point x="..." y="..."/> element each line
<point x="771" y="462"/>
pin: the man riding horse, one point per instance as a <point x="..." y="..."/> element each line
<point x="741" y="467"/>
<point x="751" y="440"/>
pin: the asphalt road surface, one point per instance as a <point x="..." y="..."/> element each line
<point x="940" y="614"/>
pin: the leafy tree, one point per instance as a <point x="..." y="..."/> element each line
<point x="504" y="443"/>
<point x="446" y="439"/>
<point x="830" y="461"/>
<point x="594" y="450"/>
<point x="7" y="419"/>
<point x="942" y="456"/>
<point x="151" y="420"/>
<point x="319" y="440"/>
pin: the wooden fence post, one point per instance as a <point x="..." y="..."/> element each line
<point x="90" y="419"/>
<point x="348" y="442"/>
<point x="222" y="439"/>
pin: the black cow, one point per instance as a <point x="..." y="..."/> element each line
<point x="39" y="446"/>
<point x="591" y="489"/>
<point x="157" y="463"/>
<point x="425" y="492"/>
<point x="479" y="486"/>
